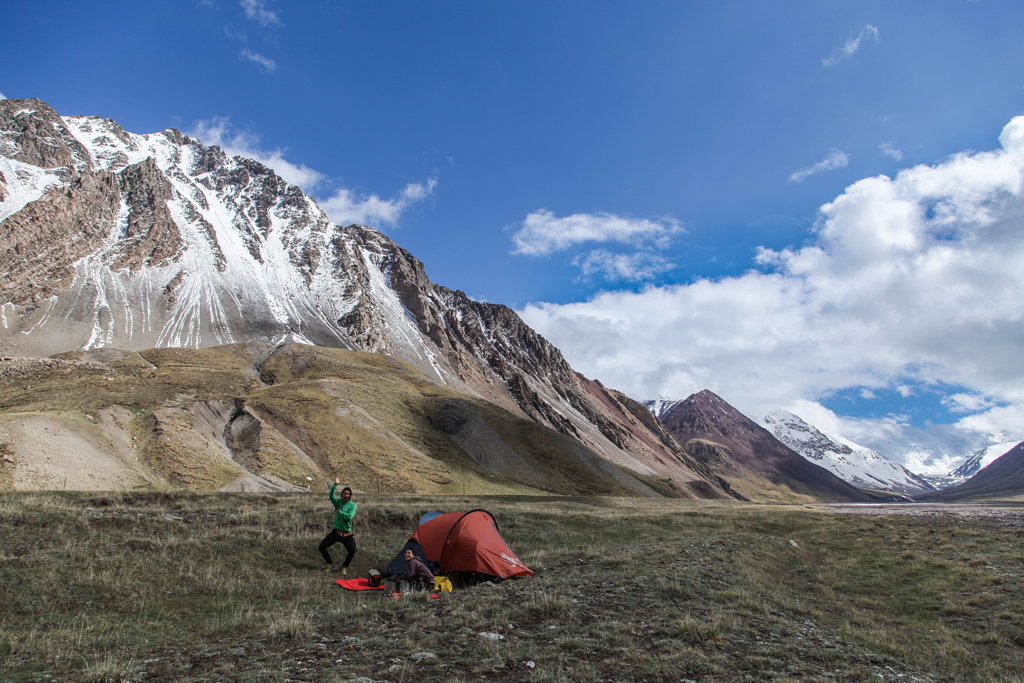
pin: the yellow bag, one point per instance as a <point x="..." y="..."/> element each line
<point x="442" y="584"/>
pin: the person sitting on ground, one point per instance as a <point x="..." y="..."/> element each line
<point x="416" y="576"/>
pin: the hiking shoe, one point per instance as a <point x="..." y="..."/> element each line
<point x="329" y="568"/>
<point x="344" y="571"/>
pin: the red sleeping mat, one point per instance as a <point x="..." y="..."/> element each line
<point x="358" y="585"/>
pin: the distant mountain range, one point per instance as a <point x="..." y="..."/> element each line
<point x="1001" y="479"/>
<point x="749" y="457"/>
<point x="851" y="462"/>
<point x="934" y="453"/>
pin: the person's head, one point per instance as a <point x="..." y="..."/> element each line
<point x="346" y="494"/>
<point x="409" y="554"/>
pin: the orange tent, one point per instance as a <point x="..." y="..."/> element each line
<point x="467" y="542"/>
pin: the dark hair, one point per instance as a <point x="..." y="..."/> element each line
<point x="347" y="488"/>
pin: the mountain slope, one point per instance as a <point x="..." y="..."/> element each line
<point x="115" y="240"/>
<point x="979" y="461"/>
<point x="850" y="462"/>
<point x="261" y="417"/>
<point x="1002" y="479"/>
<point x="747" y="456"/>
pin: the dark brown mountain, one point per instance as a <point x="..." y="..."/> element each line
<point x="748" y="457"/>
<point x="1003" y="479"/>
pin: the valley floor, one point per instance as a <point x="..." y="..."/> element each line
<point x="219" y="587"/>
<point x="1010" y="513"/>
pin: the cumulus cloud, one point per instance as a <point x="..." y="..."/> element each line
<point x="234" y="142"/>
<point x="836" y="159"/>
<point x="346" y="207"/>
<point x="257" y="11"/>
<point x="543" y="233"/>
<point x="612" y="267"/>
<point x="851" y="46"/>
<point x="911" y="281"/>
<point x="2" y="96"/>
<point x="265" y="62"/>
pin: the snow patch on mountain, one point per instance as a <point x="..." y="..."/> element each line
<point x="21" y="184"/>
<point x="661" y="406"/>
<point x="849" y="461"/>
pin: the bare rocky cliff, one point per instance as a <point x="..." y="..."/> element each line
<point x="117" y="240"/>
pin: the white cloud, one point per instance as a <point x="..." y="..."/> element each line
<point x="889" y="150"/>
<point x="265" y="62"/>
<point x="612" y="266"/>
<point x="543" y="233"/>
<point x="346" y="207"/>
<point x="912" y="281"/>
<point x="219" y="131"/>
<point x="2" y="96"/>
<point x="967" y="403"/>
<point x="836" y="159"/>
<point x="257" y="11"/>
<point x="851" y="46"/>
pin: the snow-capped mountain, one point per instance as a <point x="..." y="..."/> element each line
<point x="847" y="460"/>
<point x="1001" y="479"/>
<point x="111" y="239"/>
<point x="980" y="461"/>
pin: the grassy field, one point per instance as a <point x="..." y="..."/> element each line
<point x="228" y="587"/>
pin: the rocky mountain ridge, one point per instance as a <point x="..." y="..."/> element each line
<point x="122" y="241"/>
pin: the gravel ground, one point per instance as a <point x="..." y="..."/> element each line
<point x="1008" y="514"/>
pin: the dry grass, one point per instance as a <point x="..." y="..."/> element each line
<point x="160" y="587"/>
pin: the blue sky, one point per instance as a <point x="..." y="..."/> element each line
<point x="603" y="166"/>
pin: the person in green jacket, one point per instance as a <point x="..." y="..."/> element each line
<point x="344" y="511"/>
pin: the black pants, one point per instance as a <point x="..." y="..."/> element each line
<point x="334" y="537"/>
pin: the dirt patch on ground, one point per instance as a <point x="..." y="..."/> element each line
<point x="51" y="453"/>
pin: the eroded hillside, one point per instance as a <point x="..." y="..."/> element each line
<point x="262" y="417"/>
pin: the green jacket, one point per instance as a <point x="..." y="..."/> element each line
<point x="343" y="513"/>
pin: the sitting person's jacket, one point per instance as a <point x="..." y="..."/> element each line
<point x="417" y="571"/>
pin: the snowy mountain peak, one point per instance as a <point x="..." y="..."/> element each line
<point x="847" y="460"/>
<point x="661" y="406"/>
